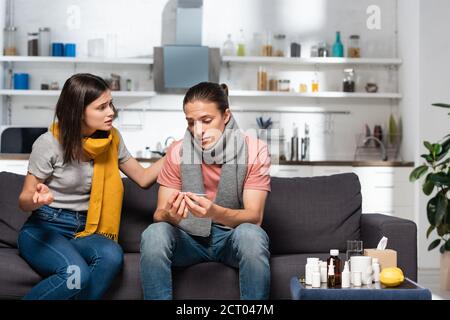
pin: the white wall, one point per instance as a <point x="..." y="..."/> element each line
<point x="424" y="45"/>
<point x="137" y="24"/>
<point x="434" y="73"/>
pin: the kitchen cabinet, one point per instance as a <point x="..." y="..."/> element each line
<point x="14" y="166"/>
<point x="290" y="171"/>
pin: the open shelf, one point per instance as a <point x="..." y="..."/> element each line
<point x="329" y="94"/>
<point x="313" y="61"/>
<point x="55" y="93"/>
<point x="142" y="61"/>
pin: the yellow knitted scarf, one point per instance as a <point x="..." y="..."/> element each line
<point x="105" y="204"/>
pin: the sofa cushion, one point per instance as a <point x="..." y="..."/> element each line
<point x="313" y="214"/>
<point x="137" y="214"/>
<point x="11" y="217"/>
<point x="16" y="276"/>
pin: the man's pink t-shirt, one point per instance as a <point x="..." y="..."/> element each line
<point x="258" y="167"/>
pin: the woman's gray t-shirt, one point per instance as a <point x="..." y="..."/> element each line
<point x="69" y="183"/>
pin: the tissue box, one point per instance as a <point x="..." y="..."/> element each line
<point x="386" y="258"/>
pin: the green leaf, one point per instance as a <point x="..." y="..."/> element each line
<point x="447" y="245"/>
<point x="434" y="244"/>
<point x="428" y="158"/>
<point x="437" y="148"/>
<point x="430" y="230"/>
<point x="442" y="230"/>
<point x="442" y="249"/>
<point x="428" y="187"/>
<point x="442" y="105"/>
<point x="431" y="210"/>
<point x="441" y="208"/>
<point x="439" y="179"/>
<point x="417" y="173"/>
<point x="429" y="146"/>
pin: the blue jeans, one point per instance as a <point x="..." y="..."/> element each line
<point x="246" y="247"/>
<point x="81" y="268"/>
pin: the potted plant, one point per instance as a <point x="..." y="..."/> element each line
<point x="436" y="171"/>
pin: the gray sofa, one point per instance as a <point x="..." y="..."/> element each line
<point x="303" y="217"/>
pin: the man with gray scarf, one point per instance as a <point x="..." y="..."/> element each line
<point x="213" y="189"/>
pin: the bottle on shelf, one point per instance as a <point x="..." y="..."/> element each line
<point x="315" y="83"/>
<point x="228" y="48"/>
<point x="338" y="47"/>
<point x="241" y="44"/>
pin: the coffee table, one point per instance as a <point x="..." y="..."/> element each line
<point x="408" y="290"/>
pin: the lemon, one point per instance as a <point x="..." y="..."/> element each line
<point x="391" y="277"/>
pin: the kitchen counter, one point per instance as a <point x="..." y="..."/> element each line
<point x="349" y="163"/>
<point x="17" y="156"/>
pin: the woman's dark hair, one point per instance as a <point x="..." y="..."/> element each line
<point x="78" y="92"/>
<point x="210" y="92"/>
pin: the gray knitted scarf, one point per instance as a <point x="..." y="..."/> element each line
<point x="231" y="152"/>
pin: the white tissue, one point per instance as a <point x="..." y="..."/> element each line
<point x="382" y="244"/>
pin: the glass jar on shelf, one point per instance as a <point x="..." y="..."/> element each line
<point x="262" y="79"/>
<point x="354" y="50"/>
<point x="267" y="48"/>
<point x="273" y="84"/>
<point x="279" y="41"/>
<point x="322" y="50"/>
<point x="348" y="84"/>
<point x="10" y="41"/>
<point x="33" y="38"/>
<point x="256" y="45"/>
<point x="44" y="42"/>
<point x="284" y="85"/>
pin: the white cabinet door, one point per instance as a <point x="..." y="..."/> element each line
<point x="386" y="190"/>
<point x="287" y="171"/>
<point x="330" y="170"/>
<point x="14" y="166"/>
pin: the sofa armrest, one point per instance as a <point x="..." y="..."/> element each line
<point x="402" y="237"/>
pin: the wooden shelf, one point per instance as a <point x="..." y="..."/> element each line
<point x="313" y="61"/>
<point x="139" y="61"/>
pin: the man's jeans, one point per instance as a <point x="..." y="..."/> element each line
<point x="246" y="247"/>
<point x="81" y="268"/>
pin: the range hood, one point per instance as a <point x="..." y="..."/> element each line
<point x="180" y="65"/>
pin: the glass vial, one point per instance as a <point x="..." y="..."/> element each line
<point x="44" y="42"/>
<point x="33" y="43"/>
<point x="10" y="41"/>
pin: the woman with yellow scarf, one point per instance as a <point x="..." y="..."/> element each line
<point x="74" y="190"/>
